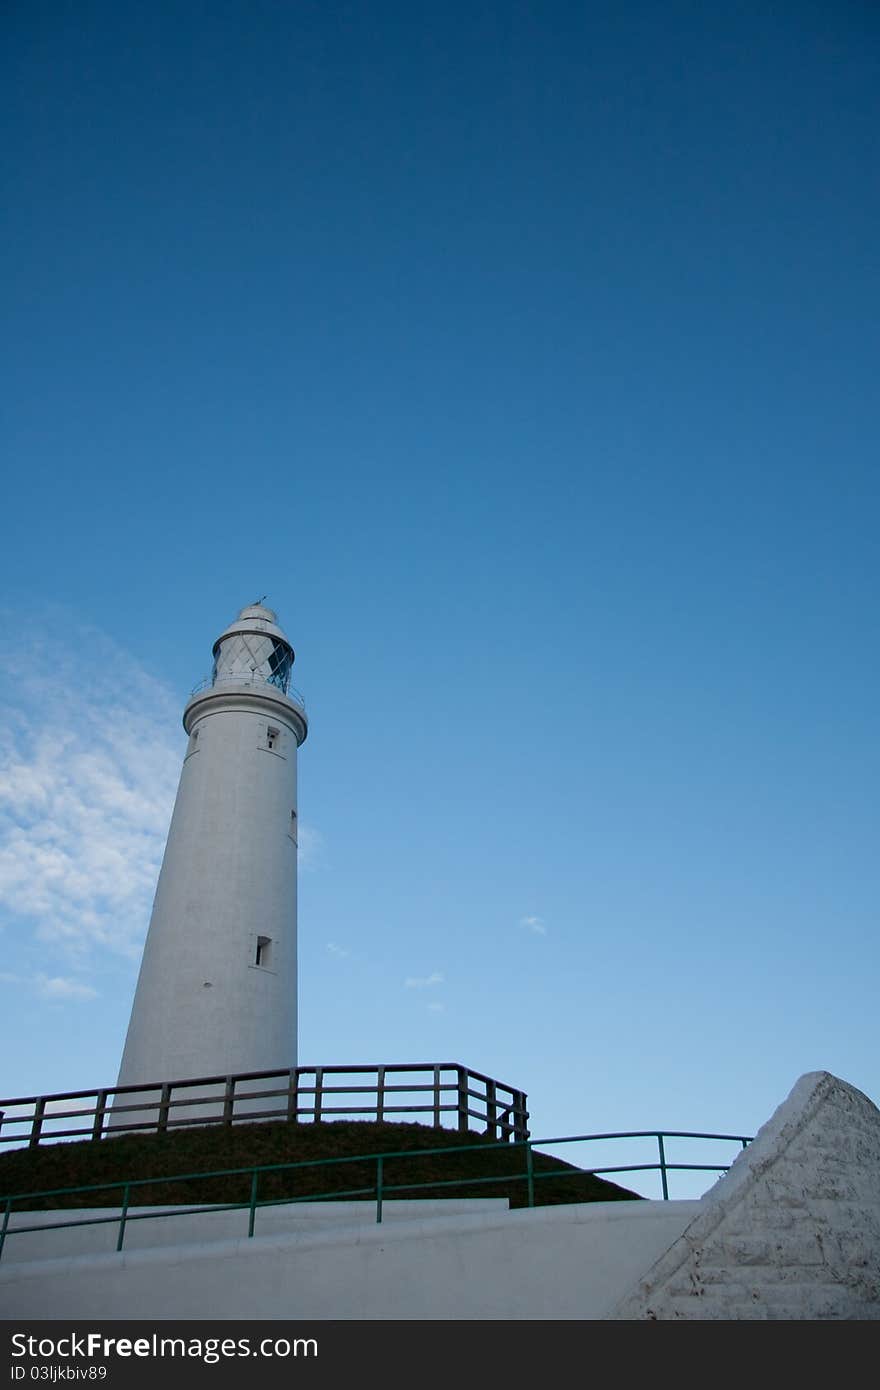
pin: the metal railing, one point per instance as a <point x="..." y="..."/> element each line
<point x="246" y="678"/>
<point x="379" y="1190"/>
<point x="448" y="1094"/>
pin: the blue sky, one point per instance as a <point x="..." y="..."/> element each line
<point x="524" y="355"/>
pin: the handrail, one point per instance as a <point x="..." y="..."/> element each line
<point x="380" y="1188"/>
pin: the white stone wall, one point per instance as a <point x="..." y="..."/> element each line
<point x="792" y="1231"/>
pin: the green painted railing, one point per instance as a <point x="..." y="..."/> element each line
<point x="379" y="1190"/>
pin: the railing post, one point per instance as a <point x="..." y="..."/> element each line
<point x="380" y="1095"/>
<point x="437" y="1110"/>
<point x="462" y="1100"/>
<point x="293" y="1095"/>
<point x="491" y="1111"/>
<point x="36" y="1127"/>
<point x="530" y="1174"/>
<point x="164" y="1102"/>
<point x="379" y="1175"/>
<point x="521" y="1116"/>
<point x="100" y="1109"/>
<point x="5" y="1227"/>
<point x="663" y="1168"/>
<point x="126" y="1192"/>
<point x="229" y="1100"/>
<point x="319" y="1086"/>
<point x="255" y="1177"/>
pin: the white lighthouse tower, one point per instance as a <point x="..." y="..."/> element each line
<point x="216" y="993"/>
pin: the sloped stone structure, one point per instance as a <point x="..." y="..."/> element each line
<point x="792" y="1231"/>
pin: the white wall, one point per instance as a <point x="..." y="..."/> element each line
<point x="206" y="1223"/>
<point x="551" y="1262"/>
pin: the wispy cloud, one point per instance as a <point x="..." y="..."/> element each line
<point x="310" y="847"/>
<point x="423" y="981"/>
<point x="536" y="925"/>
<point x="62" y="987"/>
<point x="89" y="759"/>
<point x="50" y="987"/>
<point x="339" y="951"/>
<point x="435" y="1007"/>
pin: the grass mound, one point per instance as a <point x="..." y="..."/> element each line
<point x="206" y="1149"/>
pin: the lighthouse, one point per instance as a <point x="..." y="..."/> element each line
<point x="216" y="994"/>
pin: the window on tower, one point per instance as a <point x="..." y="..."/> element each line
<point x="279" y="663"/>
<point x="263" y="954"/>
<point x="272" y="737"/>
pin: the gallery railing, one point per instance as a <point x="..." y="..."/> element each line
<point x="441" y="1094"/>
<point x="252" y="678"/>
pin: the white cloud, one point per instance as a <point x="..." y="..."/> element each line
<point x="50" y="987"/>
<point x="338" y="951"/>
<point x="435" y="1007"/>
<point x="423" y="981"/>
<point x="61" y="987"/>
<point x="534" y="924"/>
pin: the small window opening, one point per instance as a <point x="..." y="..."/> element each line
<point x="264" y="951"/>
<point x="272" y="736"/>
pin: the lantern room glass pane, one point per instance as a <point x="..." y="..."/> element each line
<point x="251" y="657"/>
